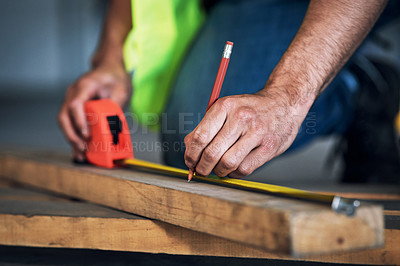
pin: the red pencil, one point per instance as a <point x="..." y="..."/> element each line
<point x="223" y="66"/>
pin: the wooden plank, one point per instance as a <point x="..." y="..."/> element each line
<point x="45" y="222"/>
<point x="37" y="219"/>
<point x="272" y="223"/>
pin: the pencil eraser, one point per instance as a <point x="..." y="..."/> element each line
<point x="229" y="43"/>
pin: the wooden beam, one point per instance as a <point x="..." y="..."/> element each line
<point x="37" y="219"/>
<point x="272" y="223"/>
<point x="29" y="218"/>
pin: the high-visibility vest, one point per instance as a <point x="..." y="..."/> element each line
<point x="154" y="49"/>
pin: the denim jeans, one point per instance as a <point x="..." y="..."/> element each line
<point x="261" y="31"/>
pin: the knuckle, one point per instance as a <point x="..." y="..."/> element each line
<point x="224" y="103"/>
<point x="245" y="114"/>
<point x="74" y="104"/>
<point x="211" y="154"/>
<point x="84" y="82"/>
<point x="268" y="146"/>
<point x="186" y="140"/>
<point x="228" y="163"/>
<point x="199" y="137"/>
<point x="190" y="159"/>
<point x="269" y="142"/>
<point x="244" y="170"/>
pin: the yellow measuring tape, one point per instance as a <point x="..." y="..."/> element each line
<point x="338" y="204"/>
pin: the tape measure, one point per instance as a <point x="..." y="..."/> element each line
<point x="338" y="204"/>
<point x="110" y="146"/>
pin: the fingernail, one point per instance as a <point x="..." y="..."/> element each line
<point x="79" y="159"/>
<point x="85" y="132"/>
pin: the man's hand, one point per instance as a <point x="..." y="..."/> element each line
<point x="105" y="81"/>
<point x="240" y="133"/>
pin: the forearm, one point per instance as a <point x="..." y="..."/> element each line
<point x="330" y="33"/>
<point x="240" y="133"/>
<point x="116" y="27"/>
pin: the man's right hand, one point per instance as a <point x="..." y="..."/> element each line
<point x="107" y="80"/>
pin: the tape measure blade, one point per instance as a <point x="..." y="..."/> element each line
<point x="274" y="189"/>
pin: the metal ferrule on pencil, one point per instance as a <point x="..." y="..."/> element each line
<point x="227" y="51"/>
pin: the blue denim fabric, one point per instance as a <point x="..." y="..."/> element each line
<point x="261" y="31"/>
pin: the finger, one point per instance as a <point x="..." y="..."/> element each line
<point x="78" y="117"/>
<point x="225" y="138"/>
<point x="78" y="155"/>
<point x="233" y="158"/>
<point x="69" y="130"/>
<point x="121" y="93"/>
<point x="253" y="160"/>
<point x="77" y="112"/>
<point x="203" y="134"/>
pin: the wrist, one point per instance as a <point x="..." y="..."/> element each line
<point x="296" y="100"/>
<point x="294" y="84"/>
<point x="108" y="55"/>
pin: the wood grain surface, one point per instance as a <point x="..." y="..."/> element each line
<point x="281" y="225"/>
<point x="29" y="217"/>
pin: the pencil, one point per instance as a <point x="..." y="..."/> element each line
<point x="223" y="66"/>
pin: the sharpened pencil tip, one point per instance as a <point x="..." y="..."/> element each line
<point x="190" y="175"/>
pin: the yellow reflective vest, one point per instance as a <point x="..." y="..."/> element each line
<point x="154" y="49"/>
